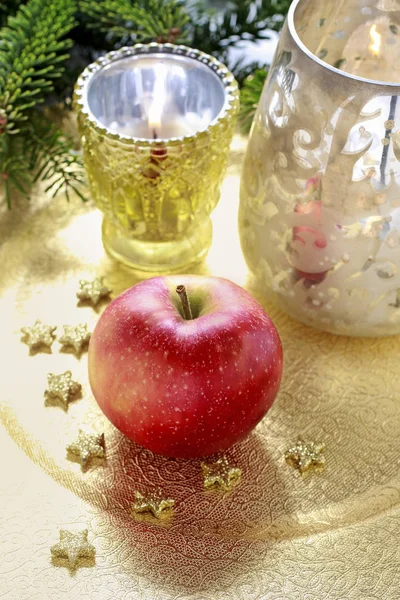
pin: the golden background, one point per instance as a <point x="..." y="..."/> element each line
<point x="276" y="535"/>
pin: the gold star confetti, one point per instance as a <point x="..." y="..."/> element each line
<point x="76" y="336"/>
<point x="93" y="291"/>
<point x="306" y="456"/>
<point x="73" y="546"/>
<point x="86" y="447"/>
<point x="62" y="388"/>
<point x="39" y="335"/>
<point x="220" y="474"/>
<point x="153" y="502"/>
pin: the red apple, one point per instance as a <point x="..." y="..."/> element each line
<point x="180" y="387"/>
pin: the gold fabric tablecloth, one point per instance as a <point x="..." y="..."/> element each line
<point x="276" y="535"/>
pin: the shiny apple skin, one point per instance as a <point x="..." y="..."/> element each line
<point x="185" y="388"/>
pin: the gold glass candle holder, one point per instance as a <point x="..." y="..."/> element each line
<point x="320" y="194"/>
<point x="156" y="123"/>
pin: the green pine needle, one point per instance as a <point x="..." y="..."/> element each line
<point x="249" y="97"/>
<point x="32" y="50"/>
<point x="245" y="19"/>
<point x="32" y="53"/>
<point x="43" y="153"/>
<point x="8" y="8"/>
<point x="52" y="158"/>
<point x="157" y="20"/>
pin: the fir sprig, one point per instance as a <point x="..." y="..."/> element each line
<point x="42" y="153"/>
<point x="53" y="158"/>
<point x="32" y="56"/>
<point x="7" y="9"/>
<point x="249" y="96"/>
<point x="245" y="19"/>
<point x="129" y="21"/>
<point x="14" y="168"/>
<point x="32" y="52"/>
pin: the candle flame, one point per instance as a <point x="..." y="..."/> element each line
<point x="157" y="105"/>
<point x="376" y="40"/>
<point x="154" y="117"/>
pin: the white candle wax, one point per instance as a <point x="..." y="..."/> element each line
<point x="190" y="124"/>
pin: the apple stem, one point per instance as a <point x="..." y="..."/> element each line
<point x="187" y="311"/>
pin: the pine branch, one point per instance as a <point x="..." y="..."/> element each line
<point x="43" y="153"/>
<point x="250" y="96"/>
<point x="52" y="158"/>
<point x="13" y="166"/>
<point x="243" y="69"/>
<point x="129" y="21"/>
<point x="246" y="20"/>
<point x="8" y="8"/>
<point x="32" y="50"/>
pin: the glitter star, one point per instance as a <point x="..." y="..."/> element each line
<point x="306" y="456"/>
<point x="220" y="474"/>
<point x="86" y="447"/>
<point x="93" y="290"/>
<point x="62" y="388"/>
<point x="76" y="336"/>
<point x="73" y="546"/>
<point x="39" y="335"/>
<point x="153" y="502"/>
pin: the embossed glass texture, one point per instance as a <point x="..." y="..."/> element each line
<point x="156" y="123"/>
<point x="320" y="193"/>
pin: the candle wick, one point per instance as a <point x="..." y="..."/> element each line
<point x="155" y="136"/>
